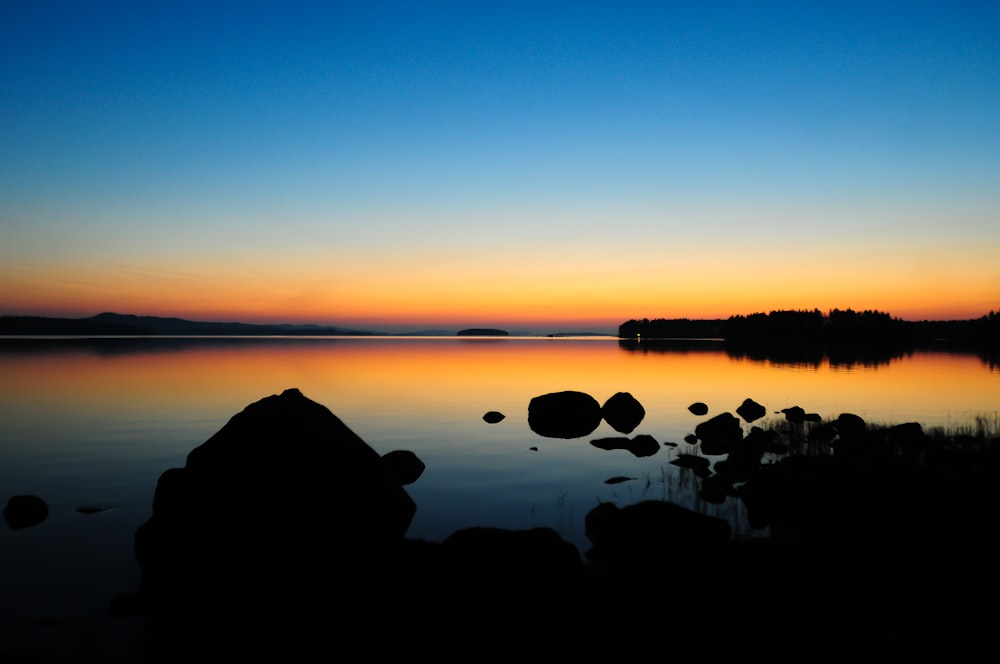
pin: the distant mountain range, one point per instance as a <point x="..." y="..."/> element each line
<point x="112" y="324"/>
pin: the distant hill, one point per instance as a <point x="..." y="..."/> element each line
<point x="112" y="324"/>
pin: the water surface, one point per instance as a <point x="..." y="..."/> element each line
<point x="94" y="422"/>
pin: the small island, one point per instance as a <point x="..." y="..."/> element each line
<point x="482" y="332"/>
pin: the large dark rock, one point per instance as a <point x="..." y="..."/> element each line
<point x="283" y="539"/>
<point x="282" y="509"/>
<point x="567" y="414"/>
<point x="652" y="531"/>
<point x="496" y="565"/>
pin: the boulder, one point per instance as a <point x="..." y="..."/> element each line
<point x="698" y="408"/>
<point x="404" y="466"/>
<point x="718" y="434"/>
<point x="849" y="425"/>
<point x="623" y="412"/>
<point x="750" y="410"/>
<point x="566" y="414"/>
<point x="651" y="531"/>
<point x="283" y="508"/>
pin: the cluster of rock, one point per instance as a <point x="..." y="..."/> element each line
<point x="806" y="479"/>
<point x="28" y="510"/>
<point x="284" y="534"/>
<point x="283" y="537"/>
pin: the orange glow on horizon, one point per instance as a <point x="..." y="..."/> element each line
<point x="533" y="297"/>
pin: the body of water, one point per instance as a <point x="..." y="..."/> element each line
<point x="92" y="423"/>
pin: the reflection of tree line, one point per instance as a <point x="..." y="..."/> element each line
<point x="844" y="337"/>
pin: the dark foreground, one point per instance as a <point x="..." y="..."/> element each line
<point x="283" y="539"/>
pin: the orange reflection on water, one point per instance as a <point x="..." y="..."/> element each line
<point x="460" y="379"/>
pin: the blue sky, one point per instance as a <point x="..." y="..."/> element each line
<point x="312" y="145"/>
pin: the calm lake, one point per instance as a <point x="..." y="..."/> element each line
<point x="93" y="423"/>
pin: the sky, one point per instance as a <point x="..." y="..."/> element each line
<point x="539" y="166"/>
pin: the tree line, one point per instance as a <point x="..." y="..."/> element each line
<point x="837" y="327"/>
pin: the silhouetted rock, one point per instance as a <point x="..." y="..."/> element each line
<point x="482" y="332"/>
<point x="623" y="412"/>
<point x="718" y="434"/>
<point x="282" y="539"/>
<point x="716" y="489"/>
<point x="651" y="531"/>
<point x="507" y="559"/>
<point x="25" y="511"/>
<point x="849" y="425"/>
<point x="566" y="414"/>
<point x="745" y="455"/>
<point x="698" y="408"/>
<point x="125" y="605"/>
<point x="794" y="414"/>
<point x="907" y="434"/>
<point x="279" y="511"/>
<point x="404" y="466"/>
<point x="481" y="594"/>
<point x="492" y="417"/>
<point x="643" y="445"/>
<point x="750" y="410"/>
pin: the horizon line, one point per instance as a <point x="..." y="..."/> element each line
<point x="520" y="328"/>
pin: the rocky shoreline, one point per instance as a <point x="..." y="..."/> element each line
<point x="284" y="538"/>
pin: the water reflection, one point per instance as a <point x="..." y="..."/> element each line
<point x="785" y="354"/>
<point x="96" y="421"/>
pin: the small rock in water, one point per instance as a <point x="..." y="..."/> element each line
<point x="750" y="410"/>
<point x="90" y="509"/>
<point x="618" y="479"/>
<point x="698" y="408"/>
<point x="25" y="511"/>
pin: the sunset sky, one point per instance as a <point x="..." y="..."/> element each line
<point x="543" y="166"/>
